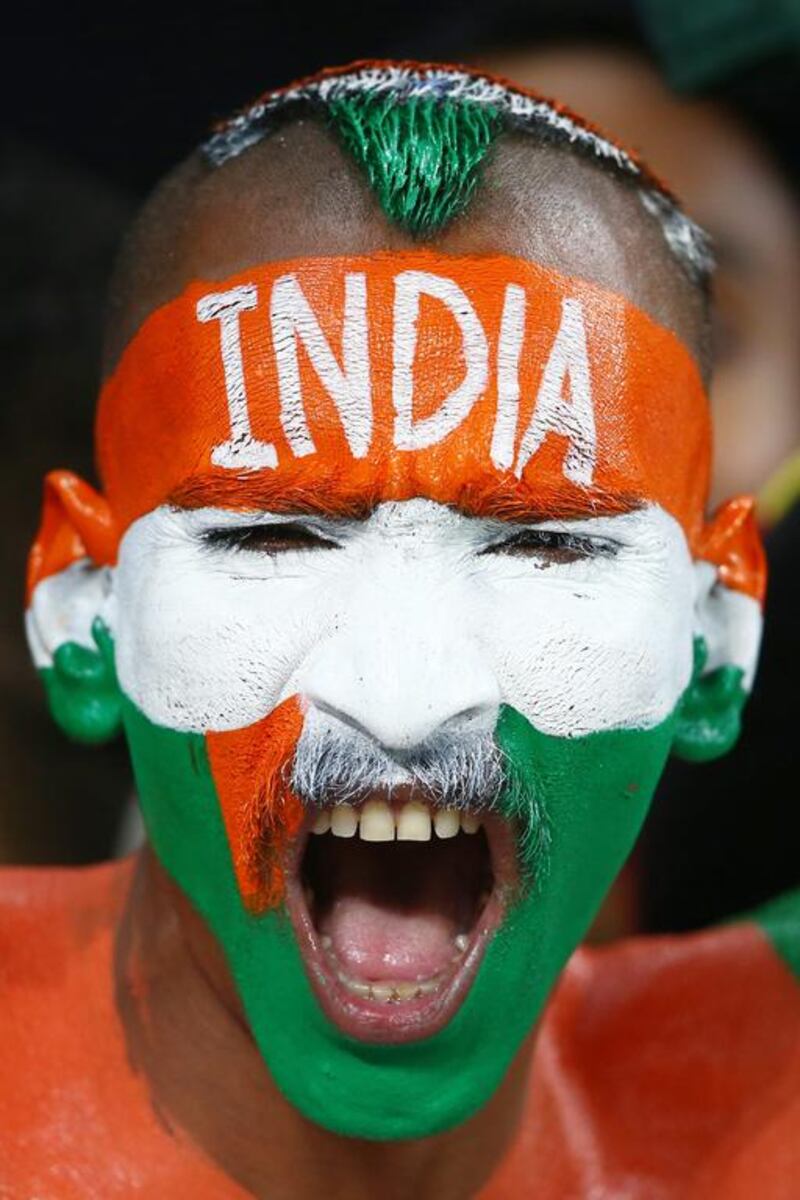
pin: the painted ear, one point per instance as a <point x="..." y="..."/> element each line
<point x="730" y="573"/>
<point x="70" y="594"/>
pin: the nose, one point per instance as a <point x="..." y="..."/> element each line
<point x="403" y="668"/>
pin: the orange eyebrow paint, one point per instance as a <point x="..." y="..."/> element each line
<point x="395" y="375"/>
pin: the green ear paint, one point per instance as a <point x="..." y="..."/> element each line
<point x="422" y="157"/>
<point x="82" y="689"/>
<point x="710" y="712"/>
<point x="594" y="792"/>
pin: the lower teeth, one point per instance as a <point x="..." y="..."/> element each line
<point x="394" y="992"/>
<point x="389" y="993"/>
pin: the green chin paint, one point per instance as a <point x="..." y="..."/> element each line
<point x="594" y="791"/>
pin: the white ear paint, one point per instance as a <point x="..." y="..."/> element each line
<point x="729" y="622"/>
<point x="242" y="452"/>
<point x="512" y="331"/>
<point x="64" y="607"/>
<point x="409" y="287"/>
<point x="347" y="385"/>
<point x="574" y="418"/>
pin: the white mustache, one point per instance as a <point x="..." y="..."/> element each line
<point x="462" y="770"/>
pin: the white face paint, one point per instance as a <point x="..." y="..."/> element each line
<point x="412" y="618"/>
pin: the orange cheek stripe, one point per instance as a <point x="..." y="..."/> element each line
<point x="260" y="813"/>
<point x="396" y="375"/>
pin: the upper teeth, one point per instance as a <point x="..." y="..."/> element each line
<point x="377" y="821"/>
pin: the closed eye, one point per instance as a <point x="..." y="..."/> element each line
<point x="271" y="539"/>
<point x="551" y="546"/>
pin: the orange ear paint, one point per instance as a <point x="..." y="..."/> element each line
<point x="260" y="812"/>
<point x="732" y="542"/>
<point x="76" y="523"/>
<point x="168" y="426"/>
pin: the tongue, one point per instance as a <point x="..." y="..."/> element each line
<point x="389" y="916"/>
<point x="372" y="942"/>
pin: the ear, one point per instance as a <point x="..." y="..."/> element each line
<point x="730" y="574"/>
<point x="69" y="613"/>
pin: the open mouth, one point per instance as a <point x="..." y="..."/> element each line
<point x="393" y="902"/>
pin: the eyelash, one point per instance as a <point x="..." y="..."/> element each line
<point x="270" y="539"/>
<point x="554" y="545"/>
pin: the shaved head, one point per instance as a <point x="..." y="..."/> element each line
<point x="299" y="192"/>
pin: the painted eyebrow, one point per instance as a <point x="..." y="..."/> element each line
<point x="538" y="506"/>
<point x="311" y="498"/>
<point x="331" y="498"/>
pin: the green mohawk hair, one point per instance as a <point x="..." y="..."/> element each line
<point x="421" y="155"/>
<point x="420" y="132"/>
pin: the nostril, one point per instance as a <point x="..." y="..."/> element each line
<point x="399" y="734"/>
<point x="397" y="738"/>
<point x="477" y="714"/>
<point x="338" y="714"/>
<point x="403" y="696"/>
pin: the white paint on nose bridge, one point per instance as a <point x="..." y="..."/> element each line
<point x="405" y="661"/>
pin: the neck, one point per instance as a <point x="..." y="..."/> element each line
<point x="187" y="1032"/>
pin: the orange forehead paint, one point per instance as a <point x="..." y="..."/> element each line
<point x="486" y="382"/>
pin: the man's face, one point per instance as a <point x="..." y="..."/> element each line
<point x="406" y="616"/>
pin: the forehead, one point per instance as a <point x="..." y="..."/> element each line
<point x="297" y="194"/>
<point x="484" y="382"/>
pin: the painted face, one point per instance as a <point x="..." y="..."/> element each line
<point x="403" y="592"/>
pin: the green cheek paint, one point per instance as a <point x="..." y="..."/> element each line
<point x="594" y="791"/>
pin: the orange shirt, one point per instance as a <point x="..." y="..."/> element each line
<point x="665" y="1067"/>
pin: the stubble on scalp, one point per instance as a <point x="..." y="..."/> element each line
<point x="299" y="194"/>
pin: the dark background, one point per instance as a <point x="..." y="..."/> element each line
<point x="125" y="95"/>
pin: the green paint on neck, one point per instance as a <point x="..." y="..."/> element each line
<point x="422" y="156"/>
<point x="594" y="791"/>
<point x="780" y="921"/>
